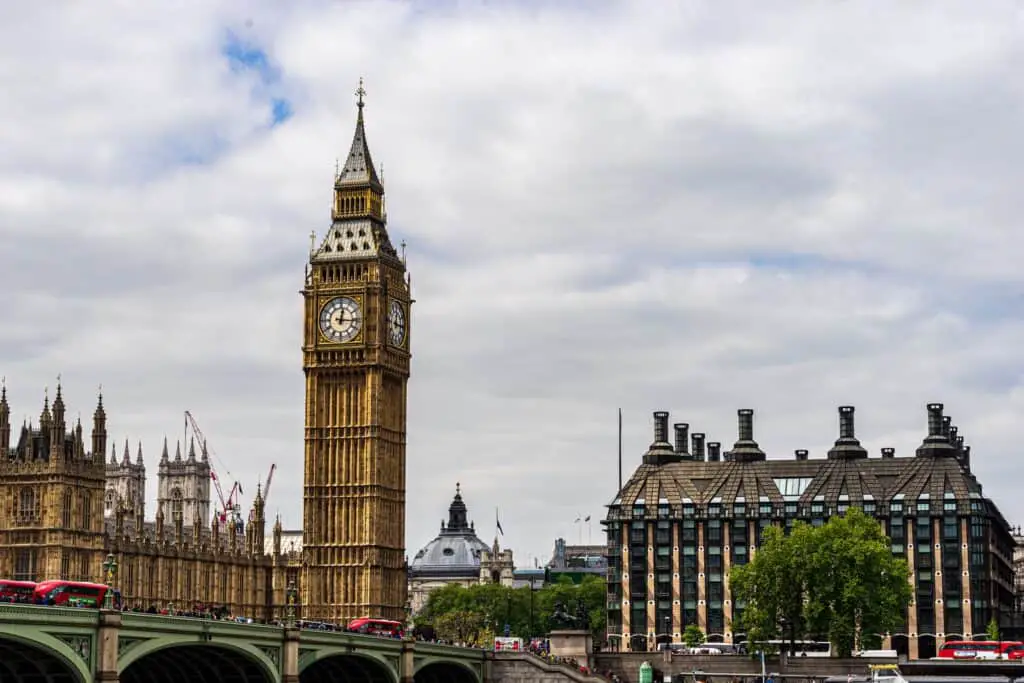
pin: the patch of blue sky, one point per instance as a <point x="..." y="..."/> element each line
<point x="246" y="58"/>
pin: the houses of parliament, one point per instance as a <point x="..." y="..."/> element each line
<point x="65" y="506"/>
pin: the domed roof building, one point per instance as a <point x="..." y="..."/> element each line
<point x="454" y="556"/>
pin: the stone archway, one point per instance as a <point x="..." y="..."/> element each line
<point x="345" y="667"/>
<point x="22" y="661"/>
<point x="196" y="663"/>
<point x="444" y="672"/>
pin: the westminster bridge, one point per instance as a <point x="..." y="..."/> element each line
<point x="71" y="645"/>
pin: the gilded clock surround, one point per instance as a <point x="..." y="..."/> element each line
<point x="355" y="433"/>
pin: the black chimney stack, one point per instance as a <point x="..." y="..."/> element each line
<point x="947" y="424"/>
<point x="847" y="447"/>
<point x="660" y="452"/>
<point x="801" y="453"/>
<point x="965" y="458"/>
<point x="714" y="451"/>
<point x="698" y="445"/>
<point x="660" y="427"/>
<point x="953" y="430"/>
<point x="936" y="444"/>
<point x="888" y="452"/>
<point x="746" y="449"/>
<point x="682" y="438"/>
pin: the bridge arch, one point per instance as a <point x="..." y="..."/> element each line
<point x="445" y="671"/>
<point x="342" y="666"/>
<point x="174" y="660"/>
<point x="40" y="657"/>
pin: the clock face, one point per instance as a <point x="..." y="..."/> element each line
<point x="396" y="324"/>
<point x="341" y="319"/>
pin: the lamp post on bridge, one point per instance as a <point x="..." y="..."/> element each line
<point x="291" y="596"/>
<point x="109" y="577"/>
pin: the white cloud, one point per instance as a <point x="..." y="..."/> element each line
<point x="700" y="210"/>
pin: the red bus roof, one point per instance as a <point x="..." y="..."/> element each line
<point x="18" y="584"/>
<point x="54" y="583"/>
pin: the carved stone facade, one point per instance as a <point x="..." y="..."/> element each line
<point x="126" y="483"/>
<point x="183" y="486"/>
<point x="687" y="516"/>
<point x="356" y="361"/>
<point x="51" y="495"/>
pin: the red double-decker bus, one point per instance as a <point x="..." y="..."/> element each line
<point x="17" y="591"/>
<point x="74" y="594"/>
<point x="376" y="627"/>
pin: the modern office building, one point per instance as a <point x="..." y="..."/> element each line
<point x="690" y="512"/>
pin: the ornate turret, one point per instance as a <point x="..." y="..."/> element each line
<point x="457" y="515"/>
<point x="164" y="457"/>
<point x="277" y="536"/>
<point x="44" y="416"/>
<point x="258" y="525"/>
<point x="5" y="420"/>
<point x="99" y="432"/>
<point x="358" y="228"/>
<point x="57" y="425"/>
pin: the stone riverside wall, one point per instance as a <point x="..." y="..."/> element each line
<point x="524" y="668"/>
<point x="723" y="668"/>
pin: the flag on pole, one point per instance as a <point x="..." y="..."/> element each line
<point x="587" y="519"/>
<point x="498" y="522"/>
<point x="577" y="520"/>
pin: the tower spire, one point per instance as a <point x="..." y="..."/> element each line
<point x="359" y="168"/>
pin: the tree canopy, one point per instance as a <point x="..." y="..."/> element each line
<point x="478" y="613"/>
<point x="839" y="580"/>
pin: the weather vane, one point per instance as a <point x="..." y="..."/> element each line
<point x="360" y="92"/>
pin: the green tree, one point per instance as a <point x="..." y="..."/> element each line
<point x="772" y="587"/>
<point x="840" y="579"/>
<point x="992" y="630"/>
<point x="693" y="636"/>
<point x="499" y="605"/>
<point x="461" y="626"/>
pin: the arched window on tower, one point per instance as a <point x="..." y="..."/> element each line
<point x="109" y="500"/>
<point x="87" y="511"/>
<point x="65" y="512"/>
<point x="27" y="505"/>
<point x="177" y="504"/>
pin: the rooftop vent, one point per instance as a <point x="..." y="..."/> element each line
<point x="801" y="453"/>
<point x="936" y="444"/>
<point x="746" y="449"/>
<point x="714" y="451"/>
<point x="847" y="447"/>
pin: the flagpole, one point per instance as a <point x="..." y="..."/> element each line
<point x="620" y="450"/>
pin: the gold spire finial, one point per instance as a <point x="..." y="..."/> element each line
<point x="312" y="240"/>
<point x="360" y="93"/>
<point x="458" y="488"/>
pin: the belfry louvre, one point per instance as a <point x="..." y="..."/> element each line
<point x="690" y="513"/>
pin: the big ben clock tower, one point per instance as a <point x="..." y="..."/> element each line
<point x="356" y="361"/>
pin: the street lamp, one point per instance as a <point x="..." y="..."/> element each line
<point x="291" y="595"/>
<point x="110" y="576"/>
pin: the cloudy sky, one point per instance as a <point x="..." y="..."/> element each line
<point x="696" y="207"/>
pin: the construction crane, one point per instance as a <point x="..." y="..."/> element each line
<point x="229" y="507"/>
<point x="270" y="478"/>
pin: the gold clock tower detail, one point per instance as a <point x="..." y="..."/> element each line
<point x="356" y="361"/>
